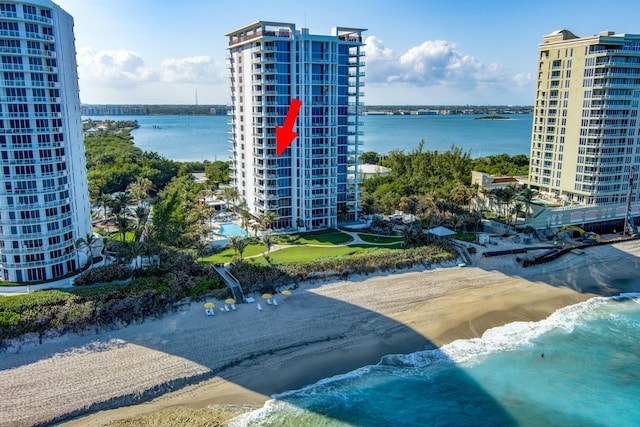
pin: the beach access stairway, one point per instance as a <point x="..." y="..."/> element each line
<point x="231" y="282"/>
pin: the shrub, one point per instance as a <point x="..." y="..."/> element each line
<point x="265" y="278"/>
<point x="105" y="274"/>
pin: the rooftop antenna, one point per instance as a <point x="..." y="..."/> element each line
<point x="196" y="97"/>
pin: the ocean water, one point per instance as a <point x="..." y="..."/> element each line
<point x="198" y="138"/>
<point x="589" y="376"/>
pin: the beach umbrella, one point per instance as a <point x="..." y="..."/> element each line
<point x="287" y="293"/>
<point x="231" y="302"/>
<point x="209" y="308"/>
<point x="267" y="297"/>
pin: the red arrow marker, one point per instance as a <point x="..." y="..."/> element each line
<point x="285" y="134"/>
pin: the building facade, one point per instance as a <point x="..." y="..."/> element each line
<point x="585" y="136"/>
<point x="310" y="185"/>
<point x="44" y="200"/>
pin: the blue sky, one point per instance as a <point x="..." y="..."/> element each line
<point x="418" y="52"/>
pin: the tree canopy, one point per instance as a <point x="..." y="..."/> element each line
<point x="436" y="175"/>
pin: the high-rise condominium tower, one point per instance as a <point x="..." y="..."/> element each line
<point x="44" y="206"/>
<point x="586" y="130"/>
<point x="314" y="183"/>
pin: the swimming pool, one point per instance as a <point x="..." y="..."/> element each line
<point x="231" y="229"/>
<point x="544" y="203"/>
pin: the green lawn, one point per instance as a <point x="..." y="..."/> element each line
<point x="118" y="236"/>
<point x="379" y="239"/>
<point x="328" y="238"/>
<point x="465" y="235"/>
<point x="303" y="253"/>
<point x="228" y="254"/>
<point x="311" y="253"/>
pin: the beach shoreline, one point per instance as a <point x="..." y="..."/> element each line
<point x="324" y="329"/>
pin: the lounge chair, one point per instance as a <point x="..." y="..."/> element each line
<point x="275" y="302"/>
<point x="259" y="306"/>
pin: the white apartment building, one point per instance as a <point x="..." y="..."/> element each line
<point x="314" y="183"/>
<point x="586" y="130"/>
<point x="44" y="200"/>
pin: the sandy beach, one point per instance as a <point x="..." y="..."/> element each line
<point x="323" y="329"/>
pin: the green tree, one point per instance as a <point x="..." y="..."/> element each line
<point x="268" y="240"/>
<point x="230" y="195"/>
<point x="369" y="157"/>
<point x="140" y="189"/>
<point x="104" y="201"/>
<point x="239" y="244"/>
<point x="88" y="243"/>
<point x="255" y="227"/>
<point x="245" y="216"/>
<point x="218" y="173"/>
<point x="527" y="195"/>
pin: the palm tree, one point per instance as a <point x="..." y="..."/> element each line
<point x="123" y="199"/>
<point x="122" y="223"/>
<point x="239" y="244"/>
<point x="201" y="247"/>
<point x="343" y="211"/>
<point x="105" y="202"/>
<point x="527" y="195"/>
<point x="268" y="241"/>
<point x="255" y="227"/>
<point x="87" y="243"/>
<point x="230" y="193"/>
<point x="245" y="217"/>
<point x="142" y="214"/>
<point x="267" y="219"/>
<point x="140" y="189"/>
<point x="137" y="249"/>
<point x="209" y="213"/>
<point x="79" y="244"/>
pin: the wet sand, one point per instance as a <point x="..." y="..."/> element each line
<point x="323" y="329"/>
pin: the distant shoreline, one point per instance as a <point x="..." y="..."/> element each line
<point x="492" y="118"/>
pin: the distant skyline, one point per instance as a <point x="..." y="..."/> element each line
<point x="418" y="52"/>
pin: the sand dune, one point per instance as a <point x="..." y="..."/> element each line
<point x="323" y="329"/>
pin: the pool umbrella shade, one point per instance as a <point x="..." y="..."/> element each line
<point x="267" y="297"/>
<point x="287" y="293"/>
<point x="231" y="302"/>
<point x="209" y="308"/>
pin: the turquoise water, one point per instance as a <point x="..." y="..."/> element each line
<point x="589" y="376"/>
<point x="198" y="138"/>
<point x="231" y="229"/>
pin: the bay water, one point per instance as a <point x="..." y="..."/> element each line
<point x="198" y="138"/>
<point x="579" y="367"/>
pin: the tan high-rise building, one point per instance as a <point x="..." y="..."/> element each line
<point x="585" y="136"/>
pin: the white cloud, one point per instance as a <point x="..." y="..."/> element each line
<point x="523" y="79"/>
<point x="433" y="63"/>
<point x="199" y="69"/>
<point x="116" y="68"/>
